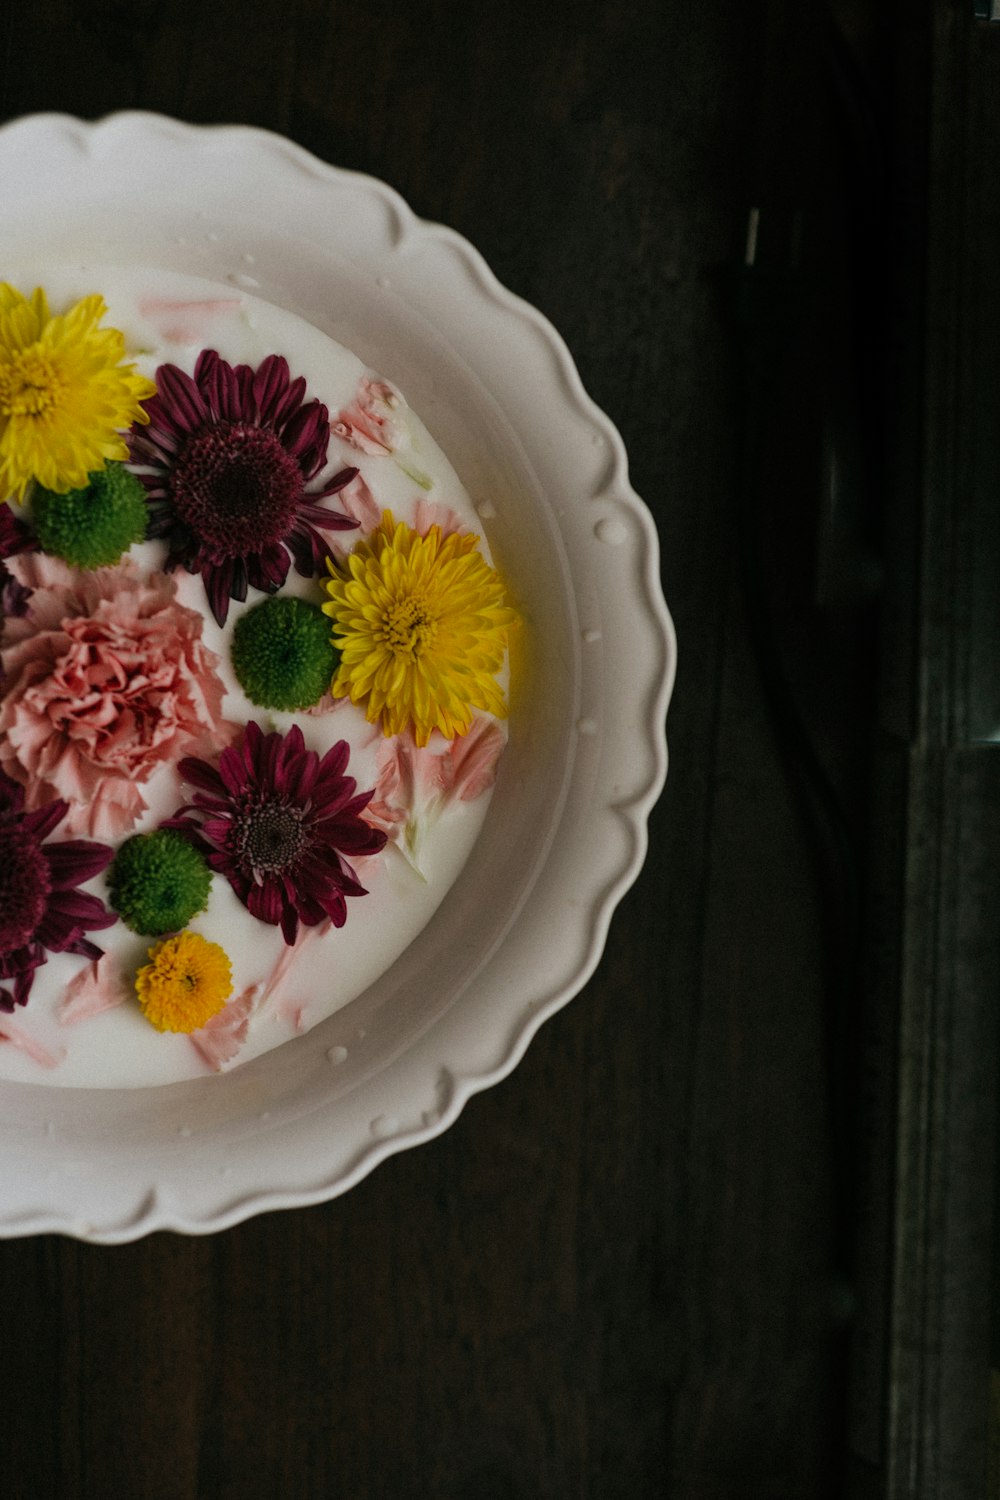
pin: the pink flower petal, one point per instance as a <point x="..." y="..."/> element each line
<point x="285" y="962"/>
<point x="360" y="504"/>
<point x="469" y="765"/>
<point x="26" y="1043"/>
<point x="366" y="423"/>
<point x="221" y="1038"/>
<point x="183" y="322"/>
<point x="428" y="513"/>
<point x="294" y="1014"/>
<point x="105" y="684"/>
<point x="327" y="705"/>
<point x="98" y="987"/>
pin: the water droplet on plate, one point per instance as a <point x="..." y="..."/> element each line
<point x="612" y="531"/>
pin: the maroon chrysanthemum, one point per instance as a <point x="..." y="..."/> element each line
<point x="226" y="458"/>
<point x="41" y="909"/>
<point x="14" y="537"/>
<point x="281" y="824"/>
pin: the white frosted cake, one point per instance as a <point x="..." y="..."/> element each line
<point x="253" y="676"/>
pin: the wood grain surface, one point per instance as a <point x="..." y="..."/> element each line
<point x="622" y="1272"/>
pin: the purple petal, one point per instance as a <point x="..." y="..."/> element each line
<point x="221" y="390"/>
<point x="233" y="765"/>
<point x="289" y="404"/>
<point x="333" y="486"/>
<point x="268" y="570"/>
<point x="218" y="583"/>
<point x="270" y="385"/>
<point x="199" y="773"/>
<point x="11" y="794"/>
<point x="44" y="819"/>
<point x="306" y="435"/>
<point x="182" y="400"/>
<point x="264" y="902"/>
<point x="329" y="520"/>
<point x="85" y="949"/>
<point x="76" y="861"/>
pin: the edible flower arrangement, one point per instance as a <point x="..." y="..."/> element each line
<point x="106" y="681"/>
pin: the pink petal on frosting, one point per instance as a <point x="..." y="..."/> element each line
<point x="285" y="962"/>
<point x="428" y="513"/>
<point x="219" y="1040"/>
<point x="25" y="1042"/>
<point x="294" y="1014"/>
<point x="99" y="987"/>
<point x="366" y="423"/>
<point x="185" y="322"/>
<point x="327" y="705"/>
<point x="357" y="501"/>
<point x="469" y="765"/>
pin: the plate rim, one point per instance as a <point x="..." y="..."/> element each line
<point x="155" y="1207"/>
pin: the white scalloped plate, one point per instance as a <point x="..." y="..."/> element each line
<point x="565" y="834"/>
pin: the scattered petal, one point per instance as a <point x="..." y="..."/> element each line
<point x="99" y="987"/>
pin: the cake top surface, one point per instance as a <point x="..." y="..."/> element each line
<point x="280" y="702"/>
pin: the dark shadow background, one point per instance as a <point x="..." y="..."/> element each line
<point x="657" y="1259"/>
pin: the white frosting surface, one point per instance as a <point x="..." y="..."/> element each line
<point x="168" y="318"/>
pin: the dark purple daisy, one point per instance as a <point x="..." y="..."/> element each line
<point x="41" y="910"/>
<point x="226" y="458"/>
<point x="281" y="824"/>
<point x="14" y="537"/>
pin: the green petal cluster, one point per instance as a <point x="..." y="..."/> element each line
<point x="92" y="527"/>
<point x="158" y="882"/>
<point x="283" y="655"/>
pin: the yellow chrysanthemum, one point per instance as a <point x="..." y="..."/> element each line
<point x="421" y="624"/>
<point x="65" y="395"/>
<point x="187" y="981"/>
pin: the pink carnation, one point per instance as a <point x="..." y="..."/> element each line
<point x="107" y="680"/>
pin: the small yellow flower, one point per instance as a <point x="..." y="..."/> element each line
<point x="421" y="625"/>
<point x="186" y="983"/>
<point x="65" y="395"/>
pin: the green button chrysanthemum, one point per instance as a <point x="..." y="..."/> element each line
<point x="92" y="527"/>
<point x="158" y="882"/>
<point x="282" y="654"/>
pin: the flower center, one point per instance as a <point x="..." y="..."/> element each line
<point x="24" y="888"/>
<point x="30" y="385"/>
<point x="237" y="488"/>
<point x="408" y="627"/>
<point x="271" y="837"/>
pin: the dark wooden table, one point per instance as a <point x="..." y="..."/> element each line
<point x="631" y="1269"/>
